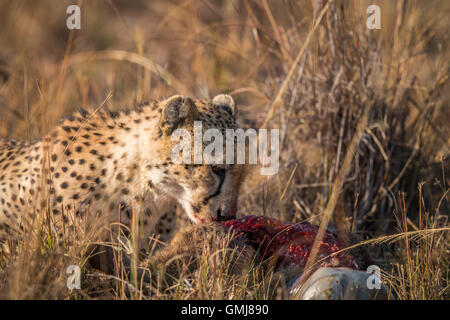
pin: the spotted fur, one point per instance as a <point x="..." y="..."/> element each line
<point x="117" y="165"/>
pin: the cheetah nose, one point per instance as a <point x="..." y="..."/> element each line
<point x="222" y="215"/>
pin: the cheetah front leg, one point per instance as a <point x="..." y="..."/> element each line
<point x="138" y="233"/>
<point x="170" y="223"/>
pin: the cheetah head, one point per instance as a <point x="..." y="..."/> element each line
<point x="206" y="190"/>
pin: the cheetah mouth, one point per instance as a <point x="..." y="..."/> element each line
<point x="222" y="216"/>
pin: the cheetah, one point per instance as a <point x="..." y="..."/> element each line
<point x="170" y="223"/>
<point x="117" y="165"/>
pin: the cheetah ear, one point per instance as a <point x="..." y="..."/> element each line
<point x="177" y="111"/>
<point x="226" y="102"/>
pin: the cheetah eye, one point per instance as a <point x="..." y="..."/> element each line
<point x="219" y="170"/>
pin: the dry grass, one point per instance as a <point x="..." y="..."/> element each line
<point x="363" y="117"/>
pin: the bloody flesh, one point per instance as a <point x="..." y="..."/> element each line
<point x="290" y="243"/>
